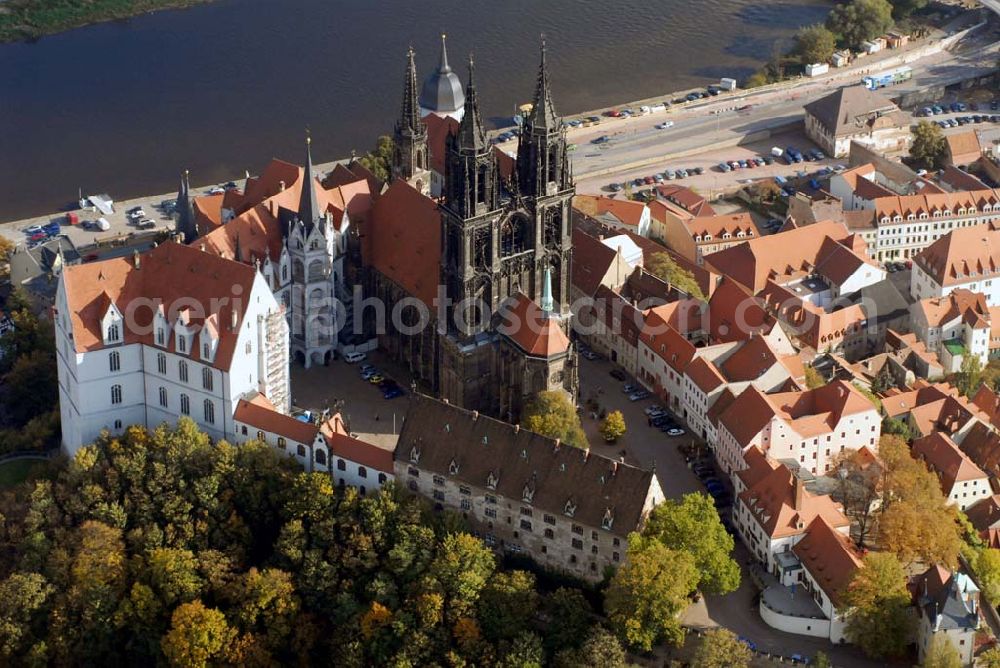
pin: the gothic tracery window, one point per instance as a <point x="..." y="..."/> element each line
<point x="513" y="236"/>
<point x="553" y="227"/>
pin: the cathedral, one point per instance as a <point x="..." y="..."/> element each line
<point x="490" y="254"/>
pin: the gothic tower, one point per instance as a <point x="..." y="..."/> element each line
<point x="470" y="211"/>
<point x="545" y="189"/>
<point x="410" y="157"/>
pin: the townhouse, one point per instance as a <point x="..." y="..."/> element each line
<point x="962" y="482"/>
<point x="856" y="114"/>
<point x="948" y="608"/>
<point x="956" y="326"/>
<point x="966" y="258"/>
<point x="617" y="214"/>
<point x="810" y="427"/>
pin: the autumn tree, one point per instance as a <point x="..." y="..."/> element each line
<point x="6" y="249"/>
<point x="667" y="269"/>
<point x="22" y="597"/>
<point x="916" y="521"/>
<point x="990" y="658"/>
<point x="692" y="525"/>
<point x="859" y="491"/>
<point x="814" y="379"/>
<point x="986" y="565"/>
<point x="970" y="374"/>
<point x="379" y="160"/>
<point x="613" y="426"/>
<point x="878" y="604"/>
<point x="941" y="653"/>
<point x="928" y="147"/>
<point x="568" y="617"/>
<point x="599" y="649"/>
<point x="552" y="414"/>
<point x="507" y="604"/>
<point x="860" y="21"/>
<point x="720" y="648"/>
<point x="198" y="636"/>
<point x="647" y="594"/>
<point x="902" y="9"/>
<point x="815" y="44"/>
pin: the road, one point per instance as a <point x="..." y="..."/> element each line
<point x="714" y="122"/>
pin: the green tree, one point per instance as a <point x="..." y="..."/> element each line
<point x="6" y="248"/>
<point x="22" y="606"/>
<point x="987" y="567"/>
<point x="879" y="619"/>
<point x="941" y="653"/>
<point x="720" y="648"/>
<point x="902" y="9"/>
<point x="379" y="160"/>
<point x="174" y="574"/>
<point x="928" y="147"/>
<point x="813" y="378"/>
<point x="970" y="375"/>
<point x="523" y="651"/>
<point x="600" y="649"/>
<point x="820" y="660"/>
<point x="666" y="269"/>
<point x="815" y="44"/>
<point x="613" y="426"/>
<point x="647" y="594"/>
<point x="507" y="604"/>
<point x="568" y="617"/>
<point x="860" y="21"/>
<point x="990" y="658"/>
<point x="198" y="636"/>
<point x="692" y="525"/>
<point x="898" y="427"/>
<point x="552" y="414"/>
<point x="462" y="567"/>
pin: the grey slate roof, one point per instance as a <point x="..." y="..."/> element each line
<point x="445" y="438"/>
<point x="39" y="261"/>
<point x="948" y="609"/>
<point x="881" y="301"/>
<point x="847" y="110"/>
<point x="442" y="91"/>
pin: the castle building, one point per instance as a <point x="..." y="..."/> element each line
<point x="497" y="244"/>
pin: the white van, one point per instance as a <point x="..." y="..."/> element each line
<point x="354" y="357"/>
<point x="103" y="225"/>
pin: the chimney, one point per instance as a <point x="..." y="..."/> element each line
<point x="475" y="415"/>
<point x="234" y="318"/>
<point x="446" y="400"/>
<point x="517" y="428"/>
<point x="281" y="186"/>
<point x="614" y="468"/>
<point x="135" y="259"/>
<point x="800" y="492"/>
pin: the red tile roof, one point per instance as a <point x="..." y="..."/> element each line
<point x="783" y="507"/>
<point x="629" y="212"/>
<point x="687" y="199"/>
<point x="951" y="259"/>
<point x="438" y="129"/>
<point x="704" y="374"/>
<point x="525" y="324"/>
<point x="943" y="456"/>
<point x="261" y="415"/>
<point x="747" y="415"/>
<point x="591" y="261"/>
<point x="171" y="273"/>
<point x="829" y="556"/>
<point x="666" y="342"/>
<point x="403" y="241"/>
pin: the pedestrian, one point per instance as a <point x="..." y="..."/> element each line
<point x="376" y="417"/>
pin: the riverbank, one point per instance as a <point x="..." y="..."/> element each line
<point x="32" y="19"/>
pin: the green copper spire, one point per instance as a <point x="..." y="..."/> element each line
<point x="547" y="305"/>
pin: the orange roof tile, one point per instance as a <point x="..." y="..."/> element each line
<point x="783" y="507"/>
<point x="629" y="212"/>
<point x="262" y="416"/>
<point x="944" y="457"/>
<point x="747" y="415"/>
<point x="403" y="241"/>
<point x="704" y="374"/>
<point x="525" y="324"/>
<point x="951" y="259"/>
<point x="666" y="342"/>
<point x="171" y="273"/>
<point x="829" y="556"/>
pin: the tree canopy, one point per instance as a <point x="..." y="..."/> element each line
<point x="815" y="44"/>
<point x="162" y="548"/>
<point x="860" y="21"/>
<point x="692" y="525"/>
<point x="720" y="648"/>
<point x="552" y="414"/>
<point x="666" y="268"/>
<point x="613" y="426"/>
<point x="879" y="618"/>
<point x="928" y="147"/>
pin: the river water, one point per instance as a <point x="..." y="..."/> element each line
<point x="123" y="107"/>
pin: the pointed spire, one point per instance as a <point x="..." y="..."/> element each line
<point x="308" y="204"/>
<point x="547" y="303"/>
<point x="443" y="67"/>
<point x="543" y="112"/>
<point x="409" y="119"/>
<point x="470" y="132"/>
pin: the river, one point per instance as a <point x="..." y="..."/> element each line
<point x="220" y="88"/>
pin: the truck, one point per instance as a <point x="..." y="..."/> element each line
<point x="890" y="78"/>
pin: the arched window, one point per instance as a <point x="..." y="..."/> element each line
<point x="341" y="465"/>
<point x="182" y="371"/>
<point x="382" y="478"/>
<point x="161" y="336"/>
<point x="185" y="405"/>
<point x="116" y="394"/>
<point x="321" y="457"/>
<point x="206" y="378"/>
<point x="513" y="233"/>
<point x="284" y="273"/>
<point x="114" y="361"/>
<point x="362" y="472"/>
<point x="281" y="442"/>
<point x="302" y="451"/>
<point x="113" y="332"/>
<point x="182" y="344"/>
<point x="161" y="363"/>
<point x="163" y="397"/>
<point x="260" y="435"/>
<point x="298" y="272"/>
<point x="316" y="271"/>
<point x="209" y="411"/>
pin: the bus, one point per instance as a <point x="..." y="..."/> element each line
<point x="890" y="78"/>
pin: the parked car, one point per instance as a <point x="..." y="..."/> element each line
<point x="367" y="367"/>
<point x="353" y="357"/>
<point x="675" y="431"/>
<point x="603" y="139"/>
<point x="618" y="374"/>
<point x="638" y="396"/>
<point x="664" y="125"/>
<point x="723" y="167"/>
<point x="375" y="379"/>
<point x="629" y="388"/>
<point x="393" y="392"/>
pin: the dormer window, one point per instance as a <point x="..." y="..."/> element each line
<point x="114" y="334"/>
<point x="161" y="336"/>
<point x="528" y="493"/>
<point x="453" y="467"/>
<point x="491" y="480"/>
<point x="415" y="454"/>
<point x="608" y="520"/>
<point x="570" y="508"/>
<point x="182" y="344"/>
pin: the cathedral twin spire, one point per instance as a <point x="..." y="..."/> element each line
<point x="309" y="211"/>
